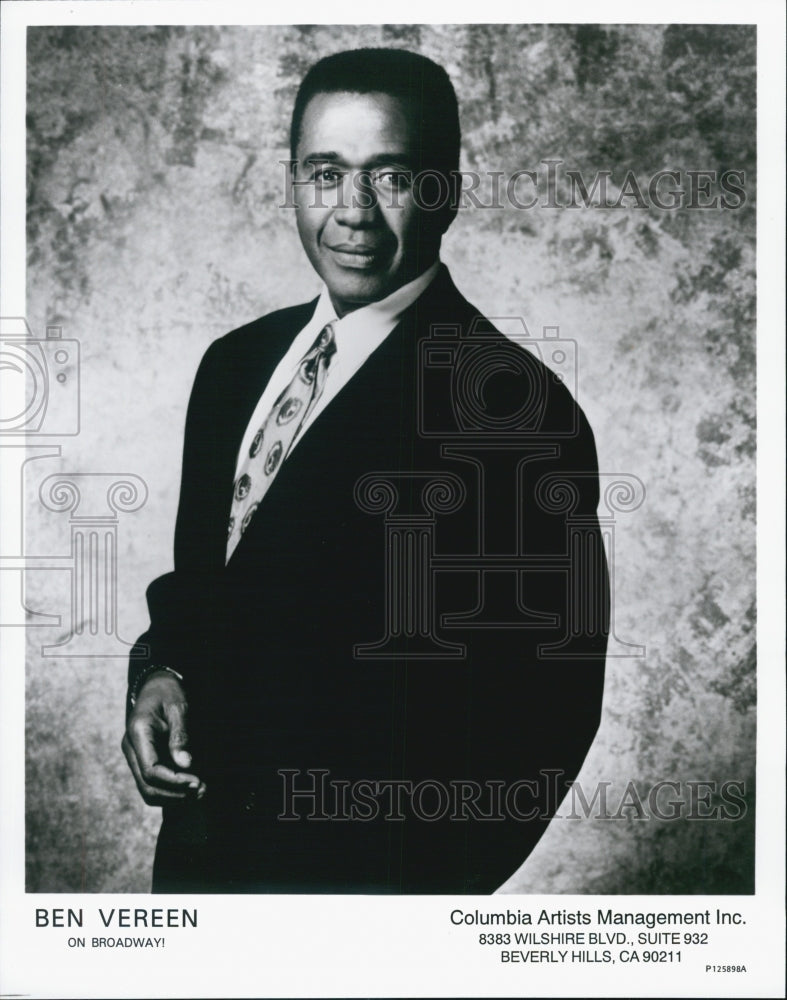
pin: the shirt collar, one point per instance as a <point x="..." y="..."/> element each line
<point x="386" y="312"/>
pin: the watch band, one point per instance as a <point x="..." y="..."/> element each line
<point x="136" y="687"/>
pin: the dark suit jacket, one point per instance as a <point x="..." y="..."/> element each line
<point x="275" y="647"/>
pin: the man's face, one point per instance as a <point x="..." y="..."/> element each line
<point x="357" y="214"/>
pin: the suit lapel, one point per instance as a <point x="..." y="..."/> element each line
<point x="378" y="403"/>
<point x="370" y="424"/>
<point x="252" y="368"/>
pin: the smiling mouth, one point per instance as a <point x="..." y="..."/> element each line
<point x="357" y="256"/>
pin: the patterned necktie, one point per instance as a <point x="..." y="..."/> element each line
<point x="273" y="440"/>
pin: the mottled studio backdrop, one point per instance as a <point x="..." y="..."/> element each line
<point x="155" y="226"/>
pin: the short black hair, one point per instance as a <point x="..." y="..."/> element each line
<point x="411" y="77"/>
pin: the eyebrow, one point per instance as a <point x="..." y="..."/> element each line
<point x="374" y="161"/>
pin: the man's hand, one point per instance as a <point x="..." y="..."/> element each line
<point x="156" y="732"/>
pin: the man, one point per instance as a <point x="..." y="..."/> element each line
<point x="380" y="461"/>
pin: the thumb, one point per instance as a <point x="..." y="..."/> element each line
<point x="175" y="715"/>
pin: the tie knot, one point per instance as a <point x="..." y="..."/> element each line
<point x="326" y="341"/>
<point x="326" y="338"/>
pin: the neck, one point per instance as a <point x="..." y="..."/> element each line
<point x="343" y="306"/>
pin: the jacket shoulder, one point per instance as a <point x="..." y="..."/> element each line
<point x="509" y="372"/>
<point x="253" y="346"/>
<point x="282" y="322"/>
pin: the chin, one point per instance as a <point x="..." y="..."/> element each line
<point x="358" y="292"/>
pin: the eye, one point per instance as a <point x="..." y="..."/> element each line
<point x="392" y="180"/>
<point x="326" y="176"/>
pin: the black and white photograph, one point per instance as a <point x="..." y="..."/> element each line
<point x="393" y="502"/>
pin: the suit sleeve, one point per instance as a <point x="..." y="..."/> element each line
<point x="559" y="691"/>
<point x="181" y="602"/>
<point x="531" y="698"/>
<point x="555" y="712"/>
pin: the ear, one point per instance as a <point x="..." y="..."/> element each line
<point x="449" y="210"/>
<point x="438" y="193"/>
<point x="447" y="217"/>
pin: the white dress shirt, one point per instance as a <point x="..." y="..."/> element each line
<point x="357" y="335"/>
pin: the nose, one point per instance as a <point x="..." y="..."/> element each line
<point x="359" y="207"/>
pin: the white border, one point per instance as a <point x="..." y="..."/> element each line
<point x="353" y="946"/>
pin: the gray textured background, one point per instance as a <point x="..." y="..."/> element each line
<point x="154" y="227"/>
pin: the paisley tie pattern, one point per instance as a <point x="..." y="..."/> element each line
<point x="273" y="440"/>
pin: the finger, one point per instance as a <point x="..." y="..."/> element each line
<point x="175" y="715"/>
<point x="164" y="777"/>
<point x="142" y="736"/>
<point x="152" y="796"/>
